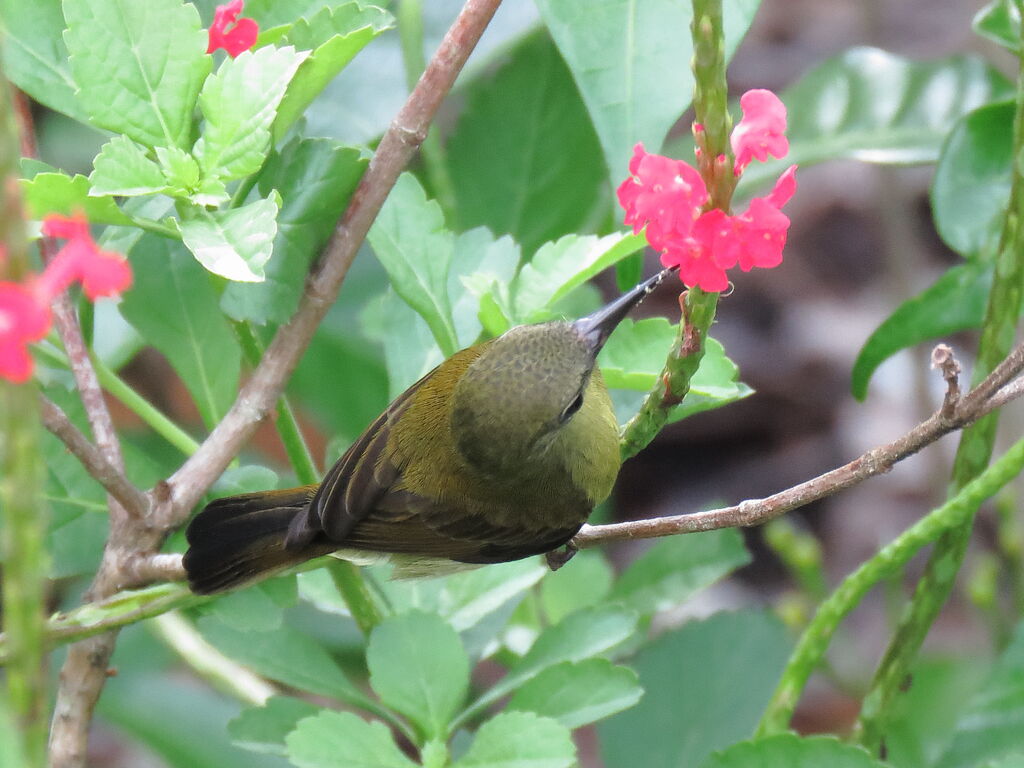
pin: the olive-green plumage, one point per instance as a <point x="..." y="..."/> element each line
<point x="498" y="453"/>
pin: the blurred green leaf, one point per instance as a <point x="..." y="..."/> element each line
<point x="419" y="668"/>
<point x="59" y="193"/>
<point x="584" y="581"/>
<point x="283" y="654"/>
<point x="676" y="567"/>
<point x="410" y="349"/>
<point x="247" y="609"/>
<point x="335" y="36"/>
<point x="956" y="301"/>
<point x="631" y="62"/>
<point x="157" y="50"/>
<point x="524" y="156"/>
<point x="410" y="240"/>
<point x="239" y="103"/>
<point x="992" y="725"/>
<point x="263" y="729"/>
<point x="468" y="597"/>
<point x="999" y="21"/>
<point x="122" y="168"/>
<point x="972" y="180"/>
<point x="35" y="58"/>
<point x="870" y="105"/>
<point x="343" y="740"/>
<point x="315" y="178"/>
<point x="174" y="306"/>
<point x="478" y="263"/>
<point x="234" y="243"/>
<point x="787" y="750"/>
<point x="578" y="694"/>
<point x="248" y="478"/>
<point x="519" y="739"/>
<point x="705" y="686"/>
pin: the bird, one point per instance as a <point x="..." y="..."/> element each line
<point x="499" y="453"/>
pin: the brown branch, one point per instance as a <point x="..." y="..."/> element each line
<point x="978" y="402"/>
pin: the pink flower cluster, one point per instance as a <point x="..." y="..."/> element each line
<point x="242" y="35"/>
<point x="25" y="307"/>
<point x="668" y="197"/>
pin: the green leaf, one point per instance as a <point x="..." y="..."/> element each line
<point x="158" y="53"/>
<point x="418" y="667"/>
<point x="631" y="61"/>
<point x="35" y="58"/>
<point x="239" y="103"/>
<point x="283" y="654"/>
<point x="263" y="729"/>
<point x="870" y="105"/>
<point x="676" y="567"/>
<point x="972" y="180"/>
<point x="993" y="724"/>
<point x="410" y="240"/>
<point x="174" y="306"/>
<point x="233" y="243"/>
<point x="248" y="609"/>
<point x="179" y="169"/>
<point x="730" y="663"/>
<point x="122" y="168"/>
<point x="58" y="193"/>
<point x="343" y="740"/>
<point x="520" y="740"/>
<point x="524" y="156"/>
<point x="584" y="581"/>
<point x="335" y="36"/>
<point x="470" y="596"/>
<point x="559" y="267"/>
<point x="1000" y="22"/>
<point x="479" y="262"/>
<point x="315" y="178"/>
<point x="787" y="750"/>
<point x="410" y="349"/>
<point x="578" y="694"/>
<point x="956" y="301"/>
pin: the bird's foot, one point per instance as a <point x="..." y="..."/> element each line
<point x="558" y="557"/>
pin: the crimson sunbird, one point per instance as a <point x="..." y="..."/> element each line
<point x="499" y="453"/>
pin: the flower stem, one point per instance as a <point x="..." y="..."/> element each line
<point x="975" y="449"/>
<point x="815" y="640"/>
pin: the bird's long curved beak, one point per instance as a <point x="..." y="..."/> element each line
<point x="597" y="327"/>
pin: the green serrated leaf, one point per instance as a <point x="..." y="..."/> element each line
<point x="180" y="170"/>
<point x="158" y="51"/>
<point x="524" y="156"/>
<point x="35" y="58"/>
<point x="478" y="263"/>
<point x="264" y="729"/>
<point x="410" y="240"/>
<point x="578" y="694"/>
<point x="956" y="301"/>
<point x="239" y="103"/>
<point x="787" y="750"/>
<point x="315" y="178"/>
<point x="518" y="740"/>
<point x="343" y="740"/>
<point x="632" y="65"/>
<point x="233" y="243"/>
<point x="335" y="36"/>
<point x="1000" y="22"/>
<point x="419" y="668"/>
<point x="122" y="168"/>
<point x="59" y="193"/>
<point x="559" y="267"/>
<point x="972" y="180"/>
<point x="174" y="306"/>
<point x="584" y="581"/>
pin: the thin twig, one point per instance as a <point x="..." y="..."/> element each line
<point x="109" y="476"/>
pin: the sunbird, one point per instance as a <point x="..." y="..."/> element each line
<point x="499" y="453"/>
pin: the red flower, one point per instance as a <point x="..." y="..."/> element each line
<point x="24" y="318"/>
<point x="762" y="130"/>
<point x="102" y="273"/>
<point x="241" y="36"/>
<point x="663" y="194"/>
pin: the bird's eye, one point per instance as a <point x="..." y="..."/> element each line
<point x="571" y="408"/>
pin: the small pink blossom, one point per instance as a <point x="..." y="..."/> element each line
<point x="663" y="195"/>
<point x="24" y="318"/>
<point x="762" y="130"/>
<point x="102" y="273"/>
<point x="242" y="35"/>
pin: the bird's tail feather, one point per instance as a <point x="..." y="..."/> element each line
<point x="239" y="538"/>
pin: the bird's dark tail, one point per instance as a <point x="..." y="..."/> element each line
<point x="239" y="538"/>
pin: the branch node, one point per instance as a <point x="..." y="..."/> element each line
<point x="944" y="359"/>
